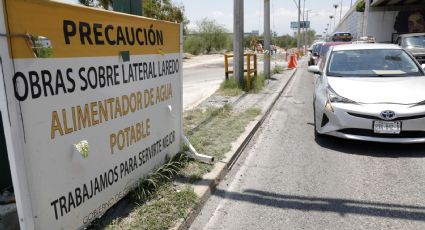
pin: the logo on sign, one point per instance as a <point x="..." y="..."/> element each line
<point x="388" y="115"/>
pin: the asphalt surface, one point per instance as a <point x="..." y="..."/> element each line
<point x="287" y="179"/>
<point x="200" y="81"/>
<point x="202" y="78"/>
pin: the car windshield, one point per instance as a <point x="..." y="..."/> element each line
<point x="372" y="63"/>
<point x="416" y="41"/>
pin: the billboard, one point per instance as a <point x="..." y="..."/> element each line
<point x="410" y="22"/>
<point x="303" y="25"/>
<point x="98" y="95"/>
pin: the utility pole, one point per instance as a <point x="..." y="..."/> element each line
<point x="340" y="12"/>
<point x="238" y="30"/>
<point x="267" y="38"/>
<point x="307" y="29"/>
<point x="365" y="17"/>
<point x="299" y="25"/>
<point x="304" y="36"/>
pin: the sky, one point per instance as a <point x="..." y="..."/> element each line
<point x="282" y="13"/>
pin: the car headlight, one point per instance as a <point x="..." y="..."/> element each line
<point x="335" y="98"/>
<point x="420" y="103"/>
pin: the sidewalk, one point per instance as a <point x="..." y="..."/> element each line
<point x="263" y="100"/>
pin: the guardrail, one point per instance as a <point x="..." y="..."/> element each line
<point x="249" y="57"/>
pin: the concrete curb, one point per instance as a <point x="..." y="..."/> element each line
<point x="205" y="187"/>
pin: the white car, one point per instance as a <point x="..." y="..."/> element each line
<point x="370" y="92"/>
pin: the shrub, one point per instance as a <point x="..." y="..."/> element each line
<point x="361" y="5"/>
<point x="193" y="44"/>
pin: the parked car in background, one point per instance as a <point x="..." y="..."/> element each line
<point x="414" y="43"/>
<point x="314" y="53"/>
<point x="370" y="92"/>
<point x="325" y="48"/>
<point x="342" y="37"/>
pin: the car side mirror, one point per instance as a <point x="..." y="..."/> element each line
<point x="423" y="66"/>
<point x="314" y="69"/>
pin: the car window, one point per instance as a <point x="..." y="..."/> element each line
<point x="317" y="48"/>
<point x="323" y="51"/>
<point x="322" y="63"/>
<point x="415" y="41"/>
<point x="372" y="63"/>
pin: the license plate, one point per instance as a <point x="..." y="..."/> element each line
<point x="388" y="127"/>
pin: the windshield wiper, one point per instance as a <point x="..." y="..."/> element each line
<point x="377" y="75"/>
<point x="336" y="76"/>
<point x="381" y="75"/>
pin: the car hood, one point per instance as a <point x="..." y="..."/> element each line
<point x="399" y="90"/>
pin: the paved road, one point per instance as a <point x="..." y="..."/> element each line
<point x="203" y="76"/>
<point x="200" y="81"/>
<point x="287" y="179"/>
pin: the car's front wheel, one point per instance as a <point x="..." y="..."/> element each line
<point x="316" y="134"/>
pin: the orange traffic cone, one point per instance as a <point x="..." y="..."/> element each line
<point x="292" y="61"/>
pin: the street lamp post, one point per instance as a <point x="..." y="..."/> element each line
<point x="335" y="6"/>
<point x="326" y="31"/>
<point x="299" y="26"/>
<point x="304" y="29"/>
<point x="330" y="23"/>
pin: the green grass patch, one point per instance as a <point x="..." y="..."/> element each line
<point x="229" y="87"/>
<point x="258" y="83"/>
<point x="213" y="133"/>
<point x="159" y="204"/>
<point x="161" y="213"/>
<point x="278" y="69"/>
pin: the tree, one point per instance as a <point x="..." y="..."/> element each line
<point x="208" y="36"/>
<point x="165" y="10"/>
<point x="361" y="5"/>
<point x="87" y="2"/>
<point x="96" y="3"/>
<point x="212" y="34"/>
<point x="158" y="9"/>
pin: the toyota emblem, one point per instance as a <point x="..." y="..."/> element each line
<point x="388" y="115"/>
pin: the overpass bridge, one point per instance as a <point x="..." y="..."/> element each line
<point x="384" y="19"/>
